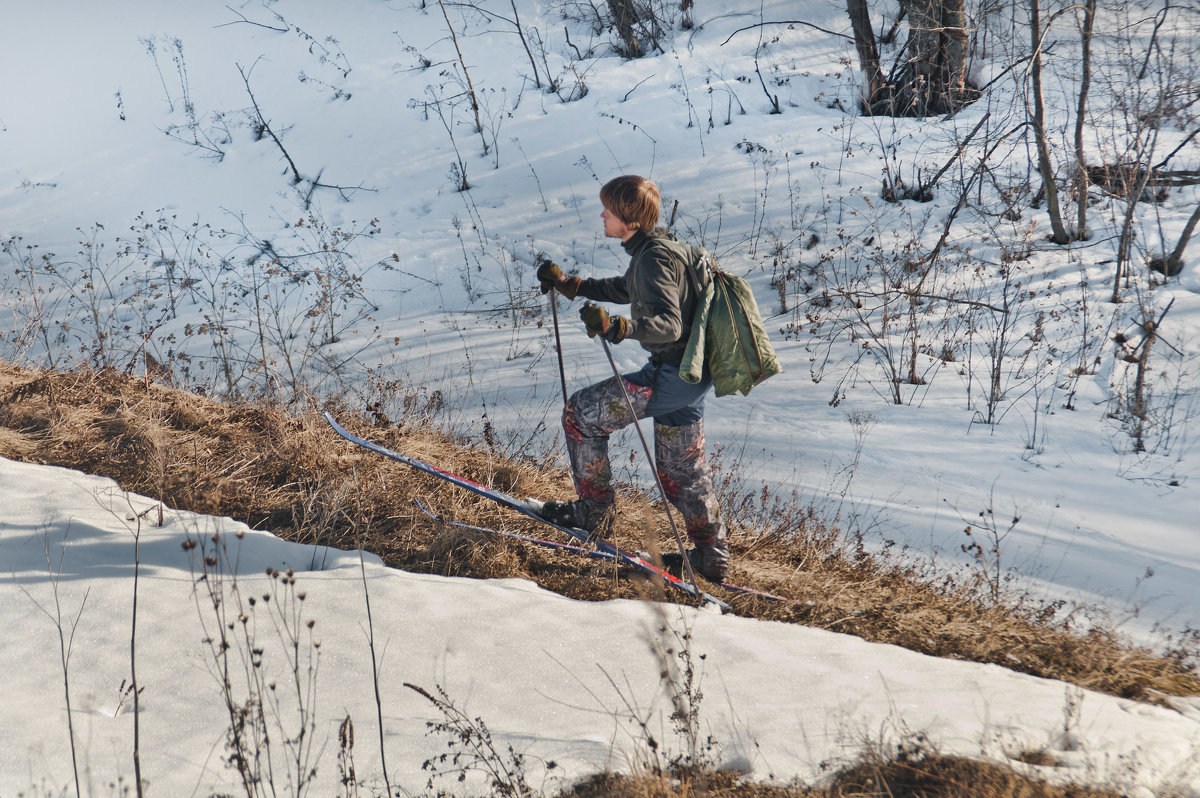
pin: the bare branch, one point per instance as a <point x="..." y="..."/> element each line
<point x="787" y="22"/>
<point x="266" y="127"/>
<point x="251" y="22"/>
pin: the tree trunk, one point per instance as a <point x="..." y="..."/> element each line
<point x="933" y="79"/>
<point x="1039" y="128"/>
<point x="868" y="53"/>
<point x="1085" y="81"/>
<point x="937" y="53"/>
<point x="625" y="16"/>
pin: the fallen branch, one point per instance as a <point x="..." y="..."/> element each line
<point x="787" y="22"/>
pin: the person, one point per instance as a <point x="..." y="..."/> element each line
<point x="662" y="298"/>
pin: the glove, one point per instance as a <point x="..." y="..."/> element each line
<point x="614" y="328"/>
<point x="551" y="276"/>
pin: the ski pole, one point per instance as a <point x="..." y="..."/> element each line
<point x="562" y="373"/>
<point x="687" y="564"/>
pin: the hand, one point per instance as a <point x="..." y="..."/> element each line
<point x="599" y="322"/>
<point x="551" y="276"/>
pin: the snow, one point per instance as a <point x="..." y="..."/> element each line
<point x="84" y="138"/>
<point x="550" y="676"/>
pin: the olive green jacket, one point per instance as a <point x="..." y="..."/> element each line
<point x="662" y="298"/>
<point x="728" y="337"/>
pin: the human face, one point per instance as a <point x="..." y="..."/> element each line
<point x="614" y="227"/>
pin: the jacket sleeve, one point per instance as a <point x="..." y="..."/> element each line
<point x="607" y="289"/>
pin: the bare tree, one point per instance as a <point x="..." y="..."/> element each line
<point x="1049" y="188"/>
<point x="1085" y="81"/>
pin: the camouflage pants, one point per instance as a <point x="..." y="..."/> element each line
<point x="596" y="412"/>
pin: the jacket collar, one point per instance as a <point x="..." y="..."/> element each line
<point x="635" y="242"/>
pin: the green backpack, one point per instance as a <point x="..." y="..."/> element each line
<point x="727" y="332"/>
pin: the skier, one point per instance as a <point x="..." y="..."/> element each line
<point x="662" y="300"/>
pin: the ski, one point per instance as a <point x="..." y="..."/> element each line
<point x="736" y="588"/>
<point x="593" y="553"/>
<point x="527" y="509"/>
<point x="546" y="544"/>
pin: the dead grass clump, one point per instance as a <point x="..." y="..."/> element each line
<point x="910" y="774"/>
<point x="283" y="469"/>
<point x="696" y="784"/>
<point x="187" y="413"/>
<point x="462" y="552"/>
<point x="16" y="445"/>
<point x="925" y="775"/>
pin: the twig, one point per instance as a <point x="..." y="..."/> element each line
<point x="250" y="22"/>
<point x="786" y="22"/>
<point x="962" y="199"/>
<point x="517" y="24"/>
<point x="374" y="663"/>
<point x="567" y="33"/>
<point x="65" y="642"/>
<point x="266" y="127"/>
<point x="921" y="189"/>
<point x="467" y="75"/>
<point x="639" y="83"/>
<point x="1175" y="151"/>
<point x="137" y="709"/>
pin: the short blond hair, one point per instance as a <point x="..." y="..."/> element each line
<point x="632" y="199"/>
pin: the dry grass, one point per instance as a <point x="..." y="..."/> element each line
<point x="907" y="775"/>
<point x="286" y="471"/>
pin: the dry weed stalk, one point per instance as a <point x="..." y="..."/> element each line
<point x="66" y="628"/>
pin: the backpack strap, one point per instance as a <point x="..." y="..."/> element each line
<point x="700" y="255"/>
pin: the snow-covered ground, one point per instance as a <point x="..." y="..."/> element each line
<point x="558" y="680"/>
<point x="97" y="132"/>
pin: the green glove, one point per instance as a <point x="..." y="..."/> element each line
<point x="551" y="276"/>
<point x="598" y="322"/>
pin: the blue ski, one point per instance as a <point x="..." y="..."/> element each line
<point x="528" y="509"/>
<point x="593" y="553"/>
<point x="546" y="544"/>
